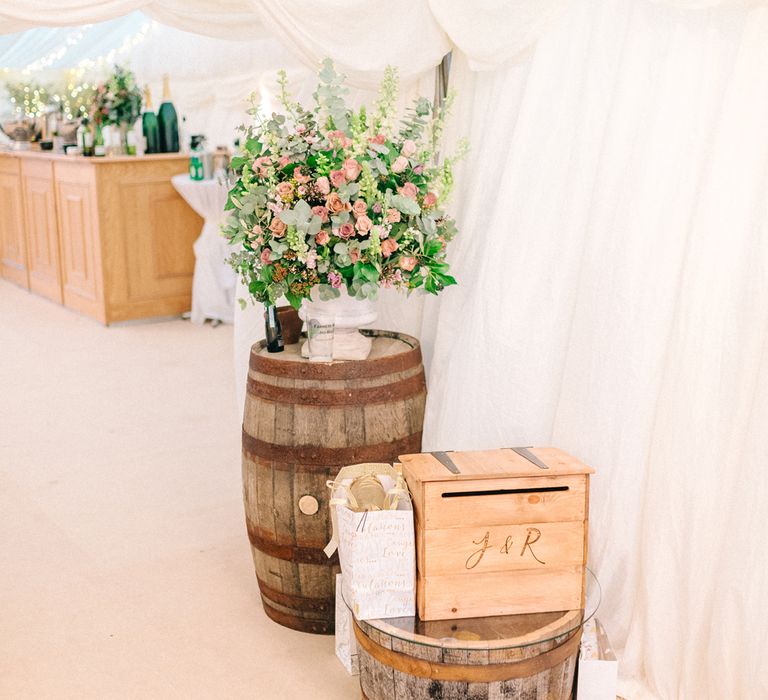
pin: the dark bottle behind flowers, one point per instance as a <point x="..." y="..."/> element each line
<point x="168" y="121"/>
<point x="273" y="330"/>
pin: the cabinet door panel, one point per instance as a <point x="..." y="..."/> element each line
<point x="78" y="228"/>
<point x="13" y="249"/>
<point x="160" y="229"/>
<point x="42" y="231"/>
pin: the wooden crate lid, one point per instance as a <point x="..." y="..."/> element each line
<point x="490" y="464"/>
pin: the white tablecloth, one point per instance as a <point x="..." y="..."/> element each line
<point x="213" y="287"/>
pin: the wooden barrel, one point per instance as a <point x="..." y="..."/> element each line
<point x="531" y="657"/>
<point x="302" y="422"/>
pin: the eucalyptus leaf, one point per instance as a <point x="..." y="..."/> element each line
<point x="326" y="292"/>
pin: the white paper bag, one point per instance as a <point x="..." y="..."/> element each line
<point x="598" y="667"/>
<point x="377" y="549"/>
<point x="346" y="644"/>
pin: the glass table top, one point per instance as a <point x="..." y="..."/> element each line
<point x="493" y="633"/>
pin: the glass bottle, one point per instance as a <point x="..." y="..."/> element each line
<point x="168" y="121"/>
<point x="98" y="141"/>
<point x="85" y="137"/>
<point x="273" y="330"/>
<point x="149" y="125"/>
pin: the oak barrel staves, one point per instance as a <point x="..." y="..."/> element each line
<point x="302" y="422"/>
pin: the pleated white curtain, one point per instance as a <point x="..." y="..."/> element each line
<point x="613" y="286"/>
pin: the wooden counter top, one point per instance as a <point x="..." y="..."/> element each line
<point x="108" y="237"/>
<point x="92" y="160"/>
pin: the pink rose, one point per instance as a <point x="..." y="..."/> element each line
<point x="400" y="164"/>
<point x="335" y="279"/>
<point x="338" y="139"/>
<point x="322" y="238"/>
<point x="257" y="230"/>
<point x="393" y="216"/>
<point x="409" y="190"/>
<point x="346" y="230"/>
<point x="354" y="255"/>
<point x="408" y="149"/>
<point x="322" y="212"/>
<point x="322" y="184"/>
<point x="430" y="199"/>
<point x="284" y="161"/>
<point x="301" y="179"/>
<point x="261" y="164"/>
<point x="337" y="178"/>
<point x="265" y="256"/>
<point x="407" y="263"/>
<point x="352" y="169"/>
<point x="418" y="169"/>
<point x="359" y="207"/>
<point x="388" y="247"/>
<point x="334" y="203"/>
<point x="363" y="224"/>
<point x="378" y="139"/>
<point x="377" y="207"/>
<point x="284" y="190"/>
<point x="277" y="226"/>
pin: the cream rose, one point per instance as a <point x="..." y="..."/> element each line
<point x="352" y="169"/>
<point x="277" y="226"/>
<point x="364" y="224"/>
<point x="408" y="149"/>
<point x="388" y="246"/>
<point x="359" y="207"/>
<point x="400" y="164"/>
<point x="334" y="203"/>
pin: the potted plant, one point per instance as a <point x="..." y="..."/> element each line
<point x="331" y="203"/>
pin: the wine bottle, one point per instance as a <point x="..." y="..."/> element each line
<point x="274" y="331"/>
<point x="168" y="122"/>
<point x="149" y="125"/>
<point x="85" y="137"/>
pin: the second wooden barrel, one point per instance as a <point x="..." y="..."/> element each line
<point x="302" y="422"/>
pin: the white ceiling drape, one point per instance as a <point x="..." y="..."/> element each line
<point x="225" y="19"/>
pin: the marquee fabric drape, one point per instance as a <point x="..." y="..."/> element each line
<point x="613" y="286"/>
<point x="225" y="19"/>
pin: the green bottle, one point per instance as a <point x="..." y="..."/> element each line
<point x="168" y="122"/>
<point x="85" y="137"/>
<point x="98" y="141"/>
<point x="149" y="125"/>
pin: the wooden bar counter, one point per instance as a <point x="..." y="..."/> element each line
<point x="108" y="237"/>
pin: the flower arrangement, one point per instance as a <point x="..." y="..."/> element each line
<point x="117" y="100"/>
<point x="333" y="197"/>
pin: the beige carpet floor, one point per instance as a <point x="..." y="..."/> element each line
<point x="125" y="570"/>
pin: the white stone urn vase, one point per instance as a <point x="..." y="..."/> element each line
<point x="348" y="315"/>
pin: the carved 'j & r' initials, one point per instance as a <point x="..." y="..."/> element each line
<point x="529" y="542"/>
<point x="474" y="559"/>
<point x="532" y="536"/>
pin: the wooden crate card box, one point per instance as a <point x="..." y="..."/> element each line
<point x="496" y="534"/>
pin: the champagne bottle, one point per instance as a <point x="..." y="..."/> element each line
<point x="149" y="125"/>
<point x="274" y="331"/>
<point x="168" y="122"/>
